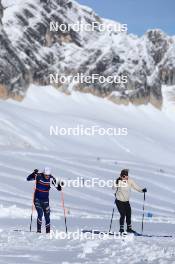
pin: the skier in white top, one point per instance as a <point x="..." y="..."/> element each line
<point x="122" y="188"/>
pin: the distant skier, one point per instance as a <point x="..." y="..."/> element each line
<point x="123" y="187"/>
<point x="41" y="195"/>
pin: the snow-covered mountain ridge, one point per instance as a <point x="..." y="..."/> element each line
<point x="30" y="52"/>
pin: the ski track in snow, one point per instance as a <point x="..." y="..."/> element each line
<point x="31" y="147"/>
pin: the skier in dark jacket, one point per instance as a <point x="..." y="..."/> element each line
<point x="41" y="195"/>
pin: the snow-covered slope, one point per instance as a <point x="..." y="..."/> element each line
<point x="147" y="150"/>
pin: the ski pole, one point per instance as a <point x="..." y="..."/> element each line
<point x="111" y="219"/>
<point x="143" y="215"/>
<point x="64" y="209"/>
<point x="31" y="217"/>
<point x="33" y="207"/>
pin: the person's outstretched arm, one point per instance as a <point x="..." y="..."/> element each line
<point x="136" y="187"/>
<point x="33" y="175"/>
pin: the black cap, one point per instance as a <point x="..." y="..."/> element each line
<point x="124" y="172"/>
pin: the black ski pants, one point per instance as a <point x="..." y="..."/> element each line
<point x="124" y="209"/>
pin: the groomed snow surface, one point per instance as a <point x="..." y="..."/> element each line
<point x="147" y="150"/>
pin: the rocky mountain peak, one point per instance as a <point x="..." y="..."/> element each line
<point x="32" y="51"/>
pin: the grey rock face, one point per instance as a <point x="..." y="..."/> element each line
<point x="37" y="52"/>
<point x="13" y="73"/>
<point x="1" y="12"/>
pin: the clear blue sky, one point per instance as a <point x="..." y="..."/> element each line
<point x="140" y="15"/>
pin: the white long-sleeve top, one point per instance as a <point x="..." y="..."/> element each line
<point x="123" y="189"/>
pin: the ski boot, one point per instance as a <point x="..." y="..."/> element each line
<point x="38" y="227"/>
<point x="131" y="231"/>
<point x="47" y="229"/>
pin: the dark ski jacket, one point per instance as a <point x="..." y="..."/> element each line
<point x="43" y="185"/>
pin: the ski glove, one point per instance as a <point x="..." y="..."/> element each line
<point x="144" y="190"/>
<point x="59" y="187"/>
<point x="35" y="171"/>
